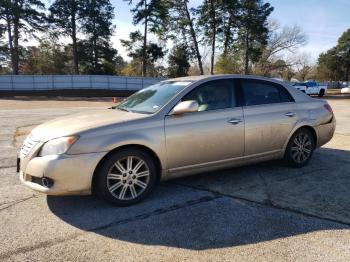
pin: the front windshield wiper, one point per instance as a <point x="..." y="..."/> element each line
<point x="120" y="108"/>
<point x="123" y="109"/>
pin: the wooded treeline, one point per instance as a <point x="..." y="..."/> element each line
<point x="177" y="39"/>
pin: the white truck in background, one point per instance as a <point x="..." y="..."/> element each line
<point x="311" y="88"/>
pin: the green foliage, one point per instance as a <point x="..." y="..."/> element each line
<point x="335" y="63"/>
<point x="64" y="17"/>
<point x="229" y="63"/>
<point x="253" y="32"/>
<point x="135" y="49"/>
<point x="154" y="15"/>
<point x="97" y="26"/>
<point x="21" y="17"/>
<point x="178" y="62"/>
<point x="48" y="58"/>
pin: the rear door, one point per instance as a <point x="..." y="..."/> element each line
<point x="269" y="113"/>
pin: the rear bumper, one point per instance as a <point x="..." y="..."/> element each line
<point x="325" y="132"/>
<point x="71" y="174"/>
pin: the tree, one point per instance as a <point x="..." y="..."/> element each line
<point x="281" y="43"/>
<point x="229" y="63"/>
<point x="21" y="16"/>
<point x="343" y="50"/>
<point x="178" y="62"/>
<point x="48" y="58"/>
<point x="183" y="25"/>
<point x="135" y="48"/>
<point x="97" y="25"/>
<point x="3" y="50"/>
<point x="230" y="15"/>
<point x="210" y="20"/>
<point x="253" y="32"/>
<point x="154" y="15"/>
<point x="64" y="15"/>
<point x="303" y="67"/>
<point x="335" y="63"/>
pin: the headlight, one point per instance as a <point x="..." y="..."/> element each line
<point x="57" y="146"/>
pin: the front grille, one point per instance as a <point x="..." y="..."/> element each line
<point x="28" y="145"/>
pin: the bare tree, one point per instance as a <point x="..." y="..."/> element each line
<point x="303" y="66"/>
<point x="281" y="42"/>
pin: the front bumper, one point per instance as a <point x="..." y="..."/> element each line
<point x="71" y="174"/>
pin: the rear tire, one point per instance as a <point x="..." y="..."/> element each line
<point x="126" y="177"/>
<point x="321" y="94"/>
<point x="300" y="148"/>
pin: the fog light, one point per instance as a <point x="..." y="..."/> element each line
<point x="47" y="182"/>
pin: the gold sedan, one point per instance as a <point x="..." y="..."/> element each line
<point x="177" y="127"/>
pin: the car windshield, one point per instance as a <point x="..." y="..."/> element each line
<point x="151" y="99"/>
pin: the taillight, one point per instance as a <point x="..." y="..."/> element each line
<point x="329" y="109"/>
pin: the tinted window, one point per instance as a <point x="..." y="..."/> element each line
<point x="217" y="94"/>
<point x="257" y="92"/>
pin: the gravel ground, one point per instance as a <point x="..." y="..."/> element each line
<point x="265" y="212"/>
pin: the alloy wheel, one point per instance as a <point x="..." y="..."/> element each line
<point x="301" y="148"/>
<point x="128" y="178"/>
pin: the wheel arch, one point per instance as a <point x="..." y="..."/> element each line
<point x="309" y="127"/>
<point x="129" y="146"/>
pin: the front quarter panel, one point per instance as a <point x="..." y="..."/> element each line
<point x="147" y="132"/>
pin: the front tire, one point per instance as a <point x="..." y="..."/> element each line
<point x="300" y="148"/>
<point x="126" y="177"/>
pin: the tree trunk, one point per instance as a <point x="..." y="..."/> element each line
<point x="15" y="62"/>
<point x="194" y="37"/>
<point x="10" y="40"/>
<point x="213" y="18"/>
<point x="74" y="40"/>
<point x="246" y="59"/>
<point x="144" y="47"/>
<point x="144" y="50"/>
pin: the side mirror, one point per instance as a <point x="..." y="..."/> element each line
<point x="185" y="107"/>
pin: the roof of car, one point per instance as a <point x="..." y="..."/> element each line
<point x="201" y="77"/>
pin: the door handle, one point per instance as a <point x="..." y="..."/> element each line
<point x="290" y="114"/>
<point x="234" y="121"/>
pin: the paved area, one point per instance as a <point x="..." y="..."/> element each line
<point x="265" y="212"/>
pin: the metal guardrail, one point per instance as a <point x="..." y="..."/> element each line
<point x="59" y="82"/>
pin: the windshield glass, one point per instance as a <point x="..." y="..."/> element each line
<point x="149" y="100"/>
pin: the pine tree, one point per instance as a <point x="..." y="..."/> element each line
<point x="21" y="16"/>
<point x="253" y="30"/>
<point x="154" y="15"/>
<point x="64" y="15"/>
<point x="179" y="61"/>
<point x="135" y="48"/>
<point x="210" y="20"/>
<point x="184" y="27"/>
<point x="97" y="16"/>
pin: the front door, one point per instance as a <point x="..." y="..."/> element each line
<point x="212" y="135"/>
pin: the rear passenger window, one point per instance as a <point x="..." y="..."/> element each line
<point x="257" y="92"/>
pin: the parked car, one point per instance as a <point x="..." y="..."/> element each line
<point x="345" y="90"/>
<point x="177" y="127"/>
<point x="311" y="88"/>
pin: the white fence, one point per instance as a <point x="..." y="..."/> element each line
<point x="59" y="82"/>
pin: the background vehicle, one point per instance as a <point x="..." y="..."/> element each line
<point x="311" y="88"/>
<point x="345" y="90"/>
<point x="175" y="128"/>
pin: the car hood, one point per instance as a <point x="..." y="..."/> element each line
<point x="73" y="124"/>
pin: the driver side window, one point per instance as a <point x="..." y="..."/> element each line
<point x="213" y="95"/>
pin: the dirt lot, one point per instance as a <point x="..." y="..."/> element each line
<point x="265" y="212"/>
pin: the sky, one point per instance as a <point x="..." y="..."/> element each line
<point x="323" y="21"/>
